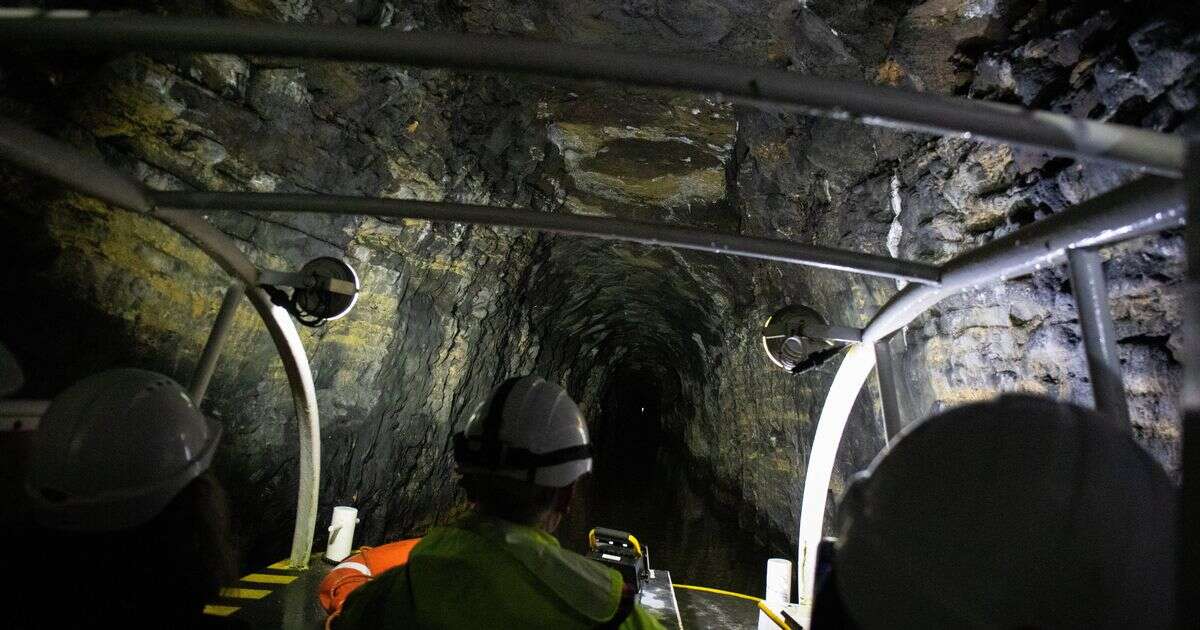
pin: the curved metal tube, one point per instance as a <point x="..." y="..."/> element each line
<point x="847" y="383"/>
<point x="295" y="364"/>
<point x="871" y="104"/>
<point x="599" y="227"/>
<point x="1148" y="205"/>
<point x="1188" y="589"/>
<point x="67" y="164"/>
<point x="76" y="170"/>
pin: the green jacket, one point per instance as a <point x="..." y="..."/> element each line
<point x="483" y="572"/>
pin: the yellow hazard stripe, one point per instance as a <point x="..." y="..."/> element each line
<point x="281" y="565"/>
<point x="218" y="610"/>
<point x="266" y="578"/>
<point x="245" y="593"/>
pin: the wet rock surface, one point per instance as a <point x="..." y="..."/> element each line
<point x="448" y="311"/>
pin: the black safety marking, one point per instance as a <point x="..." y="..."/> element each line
<point x="513" y="457"/>
<point x="494" y="420"/>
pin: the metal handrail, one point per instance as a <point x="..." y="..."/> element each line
<point x="288" y="344"/>
<point x="1188" y="600"/>
<point x="579" y="225"/>
<point x="1145" y="206"/>
<point x="1142" y="207"/>
<point x="870" y="104"/>
<point x="89" y="175"/>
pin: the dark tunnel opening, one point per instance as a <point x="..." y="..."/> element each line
<point x="641" y="483"/>
<point x="632" y="348"/>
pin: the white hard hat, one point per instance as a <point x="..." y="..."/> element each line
<point x="529" y="429"/>
<point x="1020" y="512"/>
<point x="114" y="449"/>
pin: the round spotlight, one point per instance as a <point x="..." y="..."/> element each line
<point x="784" y="341"/>
<point x="330" y="294"/>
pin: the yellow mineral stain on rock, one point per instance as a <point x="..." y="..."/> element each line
<point x="889" y="73"/>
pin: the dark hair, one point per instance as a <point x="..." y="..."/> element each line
<point x="509" y="499"/>
<point x="162" y="572"/>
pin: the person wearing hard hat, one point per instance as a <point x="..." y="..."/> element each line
<point x="500" y="567"/>
<point x="1016" y="513"/>
<point x="133" y="530"/>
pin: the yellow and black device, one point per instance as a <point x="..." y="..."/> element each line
<point x="621" y="551"/>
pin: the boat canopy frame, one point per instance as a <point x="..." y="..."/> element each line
<point x="1161" y="199"/>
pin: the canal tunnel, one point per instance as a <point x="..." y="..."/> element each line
<point x="700" y="442"/>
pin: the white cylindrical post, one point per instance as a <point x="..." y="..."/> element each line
<point x="341" y="533"/>
<point x="779" y="589"/>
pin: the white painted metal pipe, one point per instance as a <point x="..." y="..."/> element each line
<point x="207" y="365"/>
<point x="867" y="103"/>
<point x="287" y="341"/>
<point x="341" y="533"/>
<point x="779" y="589"/>
<point x="1099" y="335"/>
<point x="847" y="383"/>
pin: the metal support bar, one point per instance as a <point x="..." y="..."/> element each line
<point x="1099" y="338"/>
<point x="295" y="279"/>
<point x="579" y="225"/>
<point x="1188" y="603"/>
<point x="870" y="104"/>
<point x="295" y="364"/>
<point x="216" y="341"/>
<point x="847" y="383"/>
<point x="285" y="278"/>
<point x="67" y="164"/>
<point x="845" y="334"/>
<point x="59" y="161"/>
<point x="889" y="388"/>
<point x="1145" y="206"/>
<point x="1148" y="205"/>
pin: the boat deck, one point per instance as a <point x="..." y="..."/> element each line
<point x="281" y="598"/>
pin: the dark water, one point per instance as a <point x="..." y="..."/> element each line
<point x="641" y="487"/>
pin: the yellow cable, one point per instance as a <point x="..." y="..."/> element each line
<point x="718" y="592"/>
<point x="772" y="615"/>
<point x="762" y="605"/>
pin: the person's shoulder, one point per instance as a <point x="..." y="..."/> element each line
<point x="591" y="569"/>
<point x="386" y="597"/>
<point x="641" y="619"/>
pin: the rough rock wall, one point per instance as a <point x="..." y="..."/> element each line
<point x="447" y="311"/>
<point x="930" y="200"/>
<point x="437" y="323"/>
<point x="450" y="310"/>
<point x="907" y="195"/>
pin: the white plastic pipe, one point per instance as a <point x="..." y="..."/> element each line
<point x="341" y="533"/>
<point x="848" y="382"/>
<point x="779" y="590"/>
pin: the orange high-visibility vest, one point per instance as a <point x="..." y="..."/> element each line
<point x="359" y="569"/>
